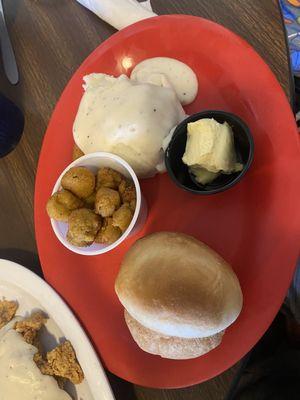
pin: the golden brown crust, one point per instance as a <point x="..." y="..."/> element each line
<point x="57" y="211"/>
<point x="30" y="326"/>
<point x="107" y="201"/>
<point x="61" y="204"/>
<point x="108" y="233"/>
<point x="84" y="225"/>
<point x="174" y="284"/>
<point x="167" y="346"/>
<point x="7" y="311"/>
<point x="122" y="217"/>
<point x="109" y="178"/>
<point x="132" y="205"/>
<point x="127" y="191"/>
<point x="77" y="152"/>
<point x="42" y="364"/>
<point x="62" y="362"/>
<point x="90" y="201"/>
<point x="68" y="199"/>
<point x="80" y="181"/>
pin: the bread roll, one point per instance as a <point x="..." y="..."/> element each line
<point x="177" y="286"/>
<point x="169" y="346"/>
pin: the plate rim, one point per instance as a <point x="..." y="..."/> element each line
<point x="20" y="276"/>
<point x="114" y="38"/>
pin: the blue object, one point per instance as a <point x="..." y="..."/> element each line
<point x="291" y="14"/>
<point x="11" y="125"/>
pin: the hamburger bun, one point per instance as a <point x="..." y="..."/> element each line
<point x="174" y="285"/>
<point x="170" y="346"/>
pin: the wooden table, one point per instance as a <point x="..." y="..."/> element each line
<point x="51" y="38"/>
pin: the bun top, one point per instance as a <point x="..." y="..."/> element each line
<point x="177" y="286"/>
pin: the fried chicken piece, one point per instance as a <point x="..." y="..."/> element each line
<point x="80" y="181"/>
<point x="42" y="364"/>
<point x="46" y="369"/>
<point x="30" y="326"/>
<point x="84" y="225"/>
<point x="107" y="177"/>
<point x="122" y="217"/>
<point x="108" y="234"/>
<point x="127" y="191"/>
<point x="77" y="152"/>
<point x="62" y="362"/>
<point x="107" y="202"/>
<point x="7" y="311"/>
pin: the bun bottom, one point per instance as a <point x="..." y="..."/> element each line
<point x="171" y="347"/>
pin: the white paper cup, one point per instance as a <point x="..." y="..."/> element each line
<point x="93" y="162"/>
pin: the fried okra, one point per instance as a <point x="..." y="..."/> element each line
<point x="127" y="191"/>
<point x="107" y="201"/>
<point x="122" y="217"/>
<point x="108" y="233"/>
<point x="107" y="177"/>
<point x="80" y="181"/>
<point x="84" y="225"/>
<point x="90" y="201"/>
<point x="61" y="204"/>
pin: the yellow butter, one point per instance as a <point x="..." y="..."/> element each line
<point x="210" y="148"/>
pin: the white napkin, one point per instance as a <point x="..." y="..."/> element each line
<point x="120" y="13"/>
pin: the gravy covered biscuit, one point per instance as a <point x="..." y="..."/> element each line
<point x="128" y="118"/>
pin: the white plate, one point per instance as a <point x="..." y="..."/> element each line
<point x="32" y="292"/>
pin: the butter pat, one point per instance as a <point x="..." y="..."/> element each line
<point x="210" y="150"/>
<point x="202" y="175"/>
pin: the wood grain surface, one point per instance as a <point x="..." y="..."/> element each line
<point x="51" y="38"/>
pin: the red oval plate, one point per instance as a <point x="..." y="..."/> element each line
<point x="255" y="225"/>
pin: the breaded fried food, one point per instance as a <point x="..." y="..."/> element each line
<point x="69" y="200"/>
<point x="132" y="205"/>
<point x="30" y="326"/>
<point x="90" y="201"/>
<point x="77" y="153"/>
<point x="80" y="181"/>
<point x="108" y="233"/>
<point x="84" y="225"/>
<point x="127" y="191"/>
<point x="7" y="311"/>
<point x="107" y="202"/>
<point x="42" y="364"/>
<point x="46" y="369"/>
<point x="62" y="362"/>
<point x="122" y="217"/>
<point x="107" y="177"/>
<point x="61" y="204"/>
